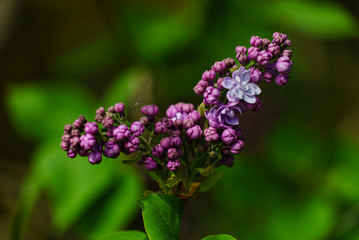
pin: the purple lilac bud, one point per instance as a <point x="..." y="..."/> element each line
<point x="242" y="58"/>
<point x="99" y="118"/>
<point x="281" y="79"/>
<point x="75" y="141"/>
<point x="87" y="141"/>
<point x="111" y="109"/>
<point x="264" y="57"/>
<point x="82" y="119"/>
<point x="237" y="147"/>
<point x="211" y="96"/>
<point x="229" y="62"/>
<point x="64" y="146"/>
<point x="121" y="133"/>
<point x="144" y="120"/>
<point x="112" y="149"/>
<point x="178" y="123"/>
<point x="167" y="122"/>
<point x="199" y="89"/>
<point x="254" y="106"/>
<point x="150" y="111"/>
<point x="95" y="157"/>
<point x="219" y="67"/>
<point x="157" y="151"/>
<point x="283" y="64"/>
<point x="166" y="142"/>
<point x="175" y="133"/>
<point x="77" y="124"/>
<point x="137" y="128"/>
<point x="194" y="132"/>
<point x="107" y="122"/>
<point x="91" y="128"/>
<point x="273" y="48"/>
<point x="101" y="111"/>
<point x="119" y="107"/>
<point x="265" y="42"/>
<point x="83" y="152"/>
<point x="287" y="43"/>
<point x="132" y="145"/>
<point x="188" y="123"/>
<point x="279" y="38"/>
<point x="255" y="41"/>
<point x="253" y="52"/>
<point x="150" y="164"/>
<point x="241" y="49"/>
<point x="173" y="165"/>
<point x="219" y="84"/>
<point x="71" y="153"/>
<point x="209" y="75"/>
<point x="68" y="128"/>
<point x="109" y="132"/>
<point x="75" y="133"/>
<point x="177" y="141"/>
<point x="172" y="110"/>
<point x="287" y="52"/>
<point x="229" y="136"/>
<point x="187" y="107"/>
<point x="172" y="153"/>
<point x="203" y="83"/>
<point x="269" y="75"/>
<point x="160" y="128"/>
<point x="256" y="75"/>
<point x="211" y="134"/>
<point x="194" y="115"/>
<point x="66" y="137"/>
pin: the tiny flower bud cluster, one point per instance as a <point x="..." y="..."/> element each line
<point x="185" y="146"/>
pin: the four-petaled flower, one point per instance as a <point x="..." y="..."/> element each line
<point x="240" y="87"/>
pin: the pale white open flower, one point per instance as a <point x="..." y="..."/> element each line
<point x="240" y="88"/>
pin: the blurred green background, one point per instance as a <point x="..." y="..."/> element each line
<point x="298" y="177"/>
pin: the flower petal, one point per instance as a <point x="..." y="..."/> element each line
<point x="241" y="69"/>
<point x="245" y="76"/>
<point x="238" y="92"/>
<point x="249" y="91"/>
<point x="231" y="121"/>
<point x="255" y="88"/>
<point x="234" y="74"/>
<point x="227" y="82"/>
<point x="231" y="96"/>
<point x="250" y="99"/>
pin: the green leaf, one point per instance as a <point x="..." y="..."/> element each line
<point x="75" y="187"/>
<point x="210" y="182"/>
<point x="125" y="235"/>
<point x="321" y="19"/>
<point x="30" y="191"/>
<point x="73" y="184"/>
<point x="162" y="215"/>
<point x="219" y="237"/>
<point x="40" y="111"/>
<point x="126" y="189"/>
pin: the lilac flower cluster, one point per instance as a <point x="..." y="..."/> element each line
<point x="229" y="89"/>
<point x="108" y="135"/>
<point x="188" y="143"/>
